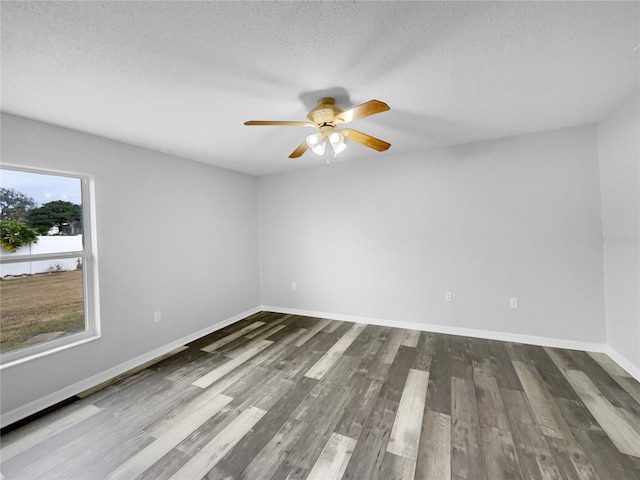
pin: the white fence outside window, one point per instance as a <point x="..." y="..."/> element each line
<point x="45" y="244"/>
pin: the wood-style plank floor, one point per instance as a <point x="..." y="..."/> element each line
<point x="288" y="397"/>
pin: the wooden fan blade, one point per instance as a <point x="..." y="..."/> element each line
<point x="364" y="110"/>
<point x="364" y="139"/>
<point x="271" y="122"/>
<point x="300" y="150"/>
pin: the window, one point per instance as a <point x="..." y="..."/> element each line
<point x="48" y="281"/>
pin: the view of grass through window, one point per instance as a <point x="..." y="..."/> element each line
<point x="42" y="294"/>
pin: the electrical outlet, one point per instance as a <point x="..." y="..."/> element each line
<point x="447" y="296"/>
<point x="294" y="286"/>
<point x="513" y="302"/>
<point x="157" y="316"/>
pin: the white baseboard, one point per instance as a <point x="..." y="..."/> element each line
<point x="78" y="387"/>
<point x="625" y="364"/>
<point x="466" y="332"/>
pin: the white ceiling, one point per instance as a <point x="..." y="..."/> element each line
<point x="182" y="77"/>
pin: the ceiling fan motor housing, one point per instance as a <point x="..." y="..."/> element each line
<point x="325" y="112"/>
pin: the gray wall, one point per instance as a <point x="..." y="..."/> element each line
<point x="173" y="234"/>
<point x="619" y="145"/>
<point x="385" y="238"/>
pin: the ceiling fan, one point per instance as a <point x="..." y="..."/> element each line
<point x="325" y="117"/>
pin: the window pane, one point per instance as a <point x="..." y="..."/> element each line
<point x="49" y="204"/>
<point x="41" y="307"/>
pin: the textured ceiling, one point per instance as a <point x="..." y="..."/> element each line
<point x="181" y="77"/>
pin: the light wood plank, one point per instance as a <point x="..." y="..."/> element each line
<point x="624" y="437"/>
<point x="255" y="342"/>
<point x="434" y="459"/>
<point x="311" y="332"/>
<point x="405" y="434"/>
<point x="632" y="419"/>
<point x="631" y="386"/>
<point x="332" y="326"/>
<point x="231" y="337"/>
<point x="411" y="338"/>
<point x="611" y="367"/>
<point x="397" y="468"/>
<point x="169" y="440"/>
<point x="545" y="409"/>
<point x="333" y="459"/>
<point x="265" y="328"/>
<point x="329" y="359"/>
<point x="217" y="373"/>
<point x="220" y="445"/>
<point x="12" y="448"/>
<point x="185" y="411"/>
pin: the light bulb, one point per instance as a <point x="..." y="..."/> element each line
<point x="337" y="142"/>
<point x="317" y="143"/>
<point x="339" y="147"/>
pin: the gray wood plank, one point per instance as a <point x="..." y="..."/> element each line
<point x="163" y="468"/>
<point x="501" y="458"/>
<point x="439" y="394"/>
<point x="369" y="453"/>
<point x="606" y="459"/>
<point x="434" y="456"/>
<point x="466" y="452"/>
<point x="571" y="459"/>
<point x="273" y="454"/>
<point x="490" y="404"/>
<point x="359" y="408"/>
<point x="390" y="348"/>
<point x="461" y="358"/>
<point x="424" y="351"/>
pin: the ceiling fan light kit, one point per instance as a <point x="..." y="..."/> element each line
<point x="316" y="143"/>
<point x="324" y="117"/>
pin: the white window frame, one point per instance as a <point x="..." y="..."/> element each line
<point x="89" y="258"/>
